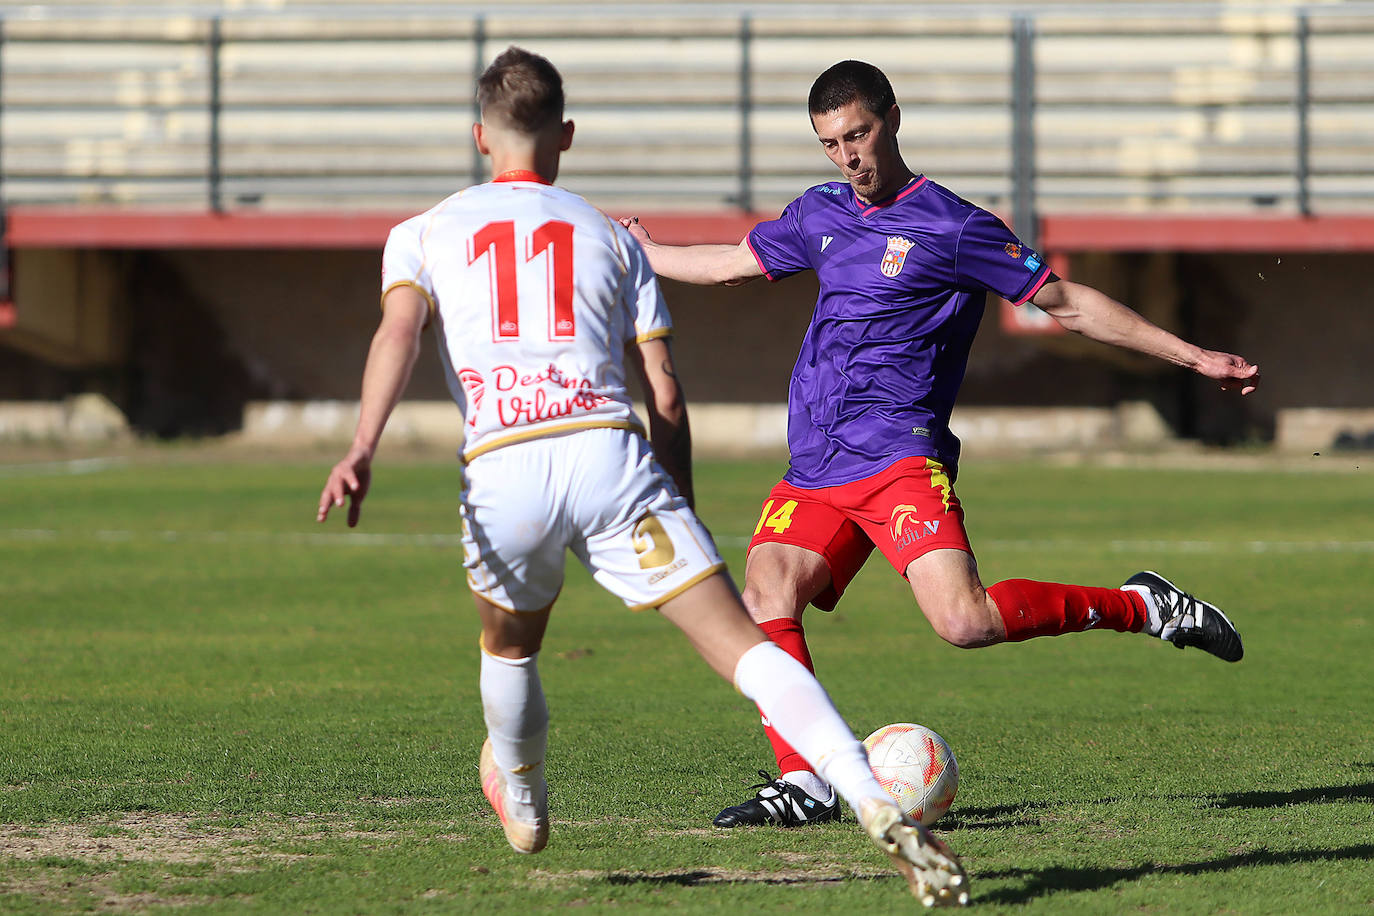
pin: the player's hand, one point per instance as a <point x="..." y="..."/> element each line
<point x="349" y="478"/>
<point x="1234" y="372"/>
<point x="638" y="231"/>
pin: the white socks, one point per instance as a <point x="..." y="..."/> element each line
<point x="517" y="719"/>
<point x="1153" y="624"/>
<point x="811" y="784"/>
<point x="800" y="710"/>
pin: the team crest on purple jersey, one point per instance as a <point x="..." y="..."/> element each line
<point x="894" y="259"/>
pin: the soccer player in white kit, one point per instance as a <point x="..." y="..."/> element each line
<point x="536" y="298"/>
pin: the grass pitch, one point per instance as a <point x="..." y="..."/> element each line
<point x="208" y="703"/>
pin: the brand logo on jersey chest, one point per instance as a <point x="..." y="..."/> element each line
<point x="894" y="259"/>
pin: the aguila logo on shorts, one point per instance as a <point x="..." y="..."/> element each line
<point x="907" y="528"/>
<point x="475" y="386"/>
<point x="894" y="259"/>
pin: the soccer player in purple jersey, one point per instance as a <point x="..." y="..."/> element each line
<point x="904" y="267"/>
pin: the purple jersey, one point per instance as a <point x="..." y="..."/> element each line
<point x="902" y="288"/>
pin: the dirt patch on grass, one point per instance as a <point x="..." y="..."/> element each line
<point x="84" y="892"/>
<point x="146" y="837"/>
<point x="183" y="838"/>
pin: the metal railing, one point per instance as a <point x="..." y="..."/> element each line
<point x="1123" y="109"/>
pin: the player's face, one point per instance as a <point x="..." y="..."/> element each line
<point x="863" y="145"/>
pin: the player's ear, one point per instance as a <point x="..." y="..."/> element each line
<point x="894" y="118"/>
<point x="566" y="140"/>
<point x="479" y="136"/>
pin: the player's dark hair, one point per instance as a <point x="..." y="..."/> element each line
<point x="851" y="80"/>
<point x="522" y="89"/>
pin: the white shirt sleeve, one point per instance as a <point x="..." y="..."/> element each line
<point x="404" y="263"/>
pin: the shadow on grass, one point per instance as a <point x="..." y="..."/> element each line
<point x="695" y="878"/>
<point x="1026" y="814"/>
<point x="1042" y="882"/>
<point x="1363" y="792"/>
<point x="1045" y="881"/>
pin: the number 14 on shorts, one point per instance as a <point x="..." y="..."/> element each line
<point x="780" y="520"/>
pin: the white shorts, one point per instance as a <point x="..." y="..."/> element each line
<point x="597" y="492"/>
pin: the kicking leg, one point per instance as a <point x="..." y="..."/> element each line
<point x="947" y="587"/>
<point x="517" y="718"/>
<point x="711" y="616"/>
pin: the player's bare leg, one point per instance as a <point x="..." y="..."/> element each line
<point x="781" y="579"/>
<point x="945" y="584"/>
<point x="713" y="619"/>
<point x="511" y="765"/>
<point x="708" y="615"/>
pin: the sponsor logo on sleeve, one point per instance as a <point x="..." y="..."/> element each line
<point x="1032" y="262"/>
<point x="894" y="259"/>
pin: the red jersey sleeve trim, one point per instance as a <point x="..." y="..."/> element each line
<point x="749" y="240"/>
<point x="1035" y="287"/>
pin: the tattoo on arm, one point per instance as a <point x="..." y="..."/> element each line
<point x="679" y="448"/>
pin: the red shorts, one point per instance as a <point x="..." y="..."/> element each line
<point x="905" y="511"/>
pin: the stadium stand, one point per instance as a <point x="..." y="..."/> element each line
<point x="279" y="105"/>
<point x="155" y="156"/>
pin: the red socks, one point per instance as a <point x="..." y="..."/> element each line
<point x="1028" y="608"/>
<point x="790" y="636"/>
<point x="1031" y="609"/>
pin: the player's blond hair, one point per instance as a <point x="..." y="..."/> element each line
<point x="521" y="89"/>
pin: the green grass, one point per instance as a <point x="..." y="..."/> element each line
<point x="209" y="703"/>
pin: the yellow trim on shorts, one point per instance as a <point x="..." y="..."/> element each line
<point x="542" y="431"/>
<point x="481" y="593"/>
<point x="501" y="607"/>
<point x="653" y="335"/>
<point x="419" y="289"/>
<point x="695" y="580"/>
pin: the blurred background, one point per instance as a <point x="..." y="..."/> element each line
<point x="194" y="198"/>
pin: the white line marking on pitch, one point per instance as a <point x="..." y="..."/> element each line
<point x="55" y="468"/>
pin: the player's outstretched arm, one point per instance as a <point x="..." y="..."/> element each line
<point x="395" y="347"/>
<point x="1095" y="315"/>
<point x="707" y="265"/>
<point x="669" y="432"/>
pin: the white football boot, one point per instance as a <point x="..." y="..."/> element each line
<point x="929" y="866"/>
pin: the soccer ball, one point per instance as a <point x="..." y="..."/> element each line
<point x="916" y="767"/>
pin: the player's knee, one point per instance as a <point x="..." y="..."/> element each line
<point x="768" y="604"/>
<point x="965" y="631"/>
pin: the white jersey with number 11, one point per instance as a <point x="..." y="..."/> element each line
<point x="534" y="294"/>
